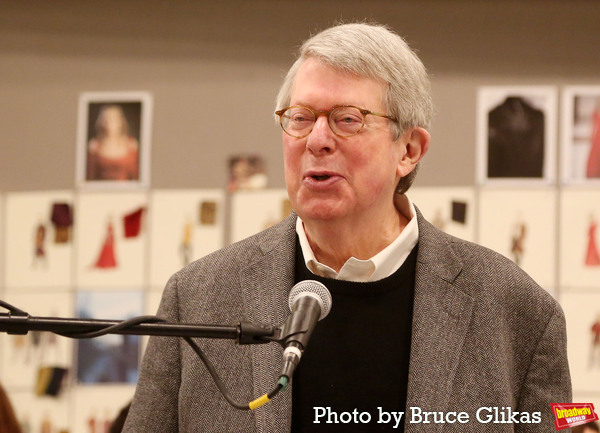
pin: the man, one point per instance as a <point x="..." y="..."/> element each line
<point x="420" y="322"/>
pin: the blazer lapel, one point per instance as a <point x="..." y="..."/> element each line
<point x="266" y="283"/>
<point x="441" y="315"/>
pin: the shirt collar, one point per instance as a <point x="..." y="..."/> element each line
<point x="380" y="266"/>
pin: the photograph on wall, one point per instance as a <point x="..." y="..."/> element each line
<point x="39" y="236"/>
<point x="580" y="144"/>
<point x="582" y="313"/>
<point x="34" y="360"/>
<point x="521" y="224"/>
<point x="111" y="239"/>
<point x="246" y="172"/>
<point x="185" y="226"/>
<point x="450" y="209"/>
<point x="580" y="238"/>
<point x="113" y="139"/>
<point x="111" y="358"/>
<point x="254" y="211"/>
<point x="516" y="134"/>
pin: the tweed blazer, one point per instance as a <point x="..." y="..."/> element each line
<point x="484" y="335"/>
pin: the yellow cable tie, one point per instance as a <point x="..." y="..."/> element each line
<point x="259" y="402"/>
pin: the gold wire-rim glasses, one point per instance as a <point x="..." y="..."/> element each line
<point x="317" y="113"/>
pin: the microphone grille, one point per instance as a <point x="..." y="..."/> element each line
<point x="316" y="290"/>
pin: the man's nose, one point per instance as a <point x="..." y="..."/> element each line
<point x="321" y="139"/>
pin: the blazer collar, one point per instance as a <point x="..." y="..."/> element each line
<point x="441" y="315"/>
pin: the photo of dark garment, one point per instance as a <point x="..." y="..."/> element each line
<point x="515" y="140"/>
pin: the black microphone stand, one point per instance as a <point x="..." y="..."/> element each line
<point x="19" y="322"/>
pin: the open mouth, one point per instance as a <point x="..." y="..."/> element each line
<point x="321" y="177"/>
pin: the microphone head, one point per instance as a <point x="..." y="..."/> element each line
<point x="315" y="290"/>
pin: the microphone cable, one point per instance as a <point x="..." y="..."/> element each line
<point x="254" y="404"/>
<point x="13" y="309"/>
<point x="281" y="384"/>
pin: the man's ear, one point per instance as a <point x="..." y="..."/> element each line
<point x="415" y="143"/>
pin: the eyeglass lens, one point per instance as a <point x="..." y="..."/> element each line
<point x="344" y="121"/>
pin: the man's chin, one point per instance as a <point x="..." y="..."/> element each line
<point x="320" y="213"/>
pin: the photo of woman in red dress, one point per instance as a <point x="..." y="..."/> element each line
<point x="112" y="154"/>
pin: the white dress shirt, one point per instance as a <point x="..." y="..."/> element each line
<point x="381" y="265"/>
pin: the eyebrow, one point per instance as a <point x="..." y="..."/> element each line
<point x="331" y="106"/>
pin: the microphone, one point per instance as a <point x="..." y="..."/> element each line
<point x="309" y="302"/>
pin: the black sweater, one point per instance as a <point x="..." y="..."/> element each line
<point x="357" y="358"/>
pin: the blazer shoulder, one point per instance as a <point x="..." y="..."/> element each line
<point x="241" y="254"/>
<point x="482" y="272"/>
<point x="503" y="285"/>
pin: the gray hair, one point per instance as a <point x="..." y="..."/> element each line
<point x="373" y="51"/>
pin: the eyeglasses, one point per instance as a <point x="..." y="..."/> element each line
<point x="345" y="121"/>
